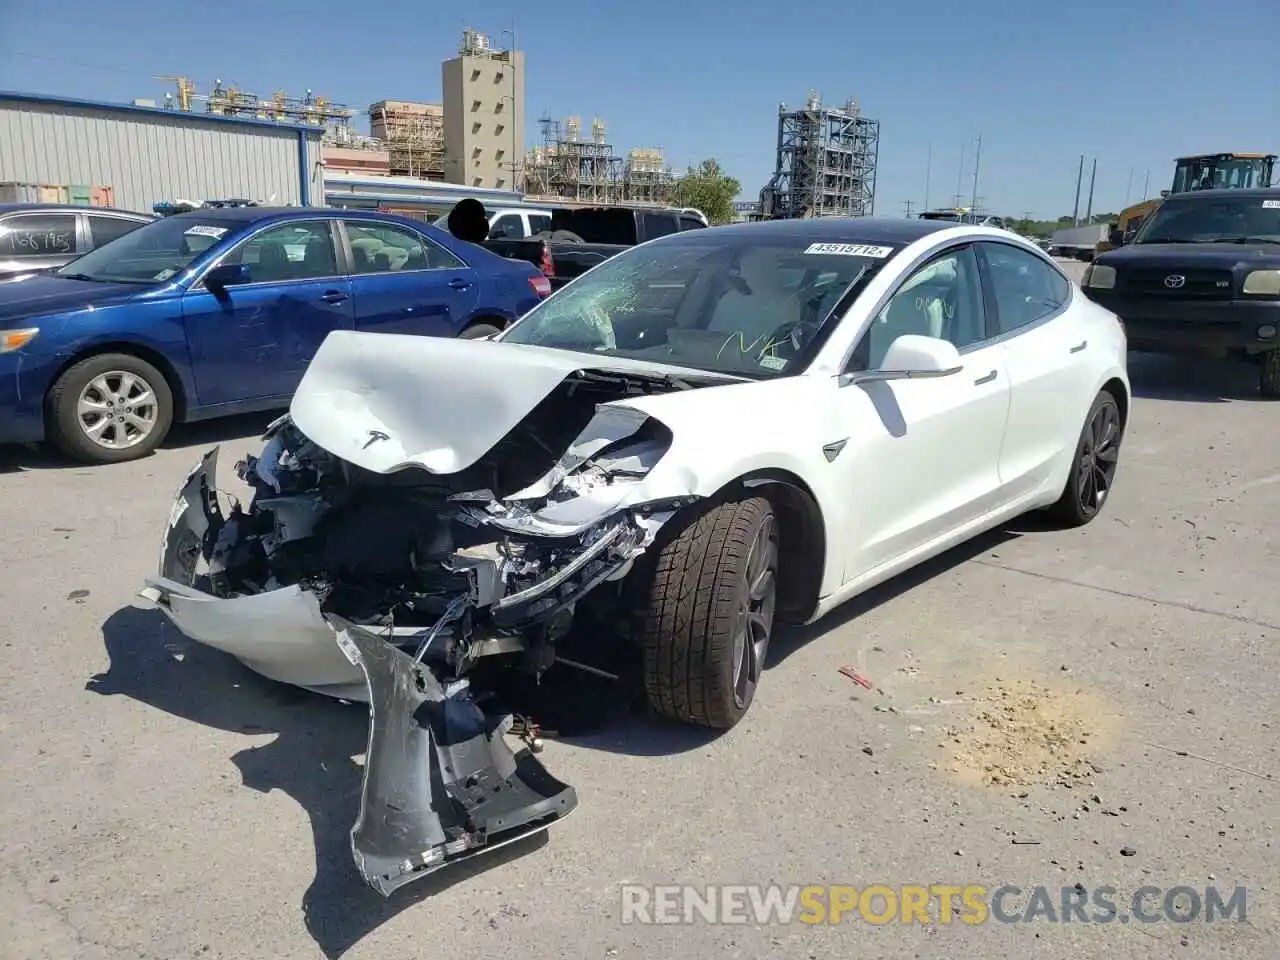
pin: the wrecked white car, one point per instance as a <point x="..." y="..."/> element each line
<point x="703" y="436"/>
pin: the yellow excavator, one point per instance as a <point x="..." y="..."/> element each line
<point x="1206" y="171"/>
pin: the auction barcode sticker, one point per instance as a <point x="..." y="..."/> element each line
<point x="850" y="250"/>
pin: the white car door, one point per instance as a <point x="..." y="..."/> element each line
<point x="1044" y="352"/>
<point x="921" y="457"/>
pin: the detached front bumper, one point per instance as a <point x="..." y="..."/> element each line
<point x="441" y="784"/>
<point x="280" y="634"/>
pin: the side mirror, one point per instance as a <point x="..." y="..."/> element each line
<point x="226" y="275"/>
<point x="1115" y="237"/>
<point x="913" y="357"/>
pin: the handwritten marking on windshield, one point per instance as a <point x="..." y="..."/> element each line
<point x="769" y="349"/>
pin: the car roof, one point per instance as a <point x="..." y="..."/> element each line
<point x="832" y="230"/>
<point x="1250" y="193"/>
<point x="69" y="207"/>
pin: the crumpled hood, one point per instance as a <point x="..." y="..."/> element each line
<point x="389" y="401"/>
<point x="40" y="295"/>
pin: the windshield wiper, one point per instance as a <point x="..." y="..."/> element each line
<point x="76" y="276"/>
<point x="1243" y="240"/>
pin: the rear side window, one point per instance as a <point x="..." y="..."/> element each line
<point x="38" y="235"/>
<point x="105" y="229"/>
<point x="507" y="227"/>
<point x="388" y="248"/>
<point x="658" y="225"/>
<point x="1025" y="287"/>
<point x="539" y="222"/>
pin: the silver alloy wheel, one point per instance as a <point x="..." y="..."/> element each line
<point x="117" y="409"/>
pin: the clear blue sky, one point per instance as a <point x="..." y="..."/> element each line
<point x="1133" y="83"/>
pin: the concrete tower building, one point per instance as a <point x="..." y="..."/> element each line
<point x="483" y="115"/>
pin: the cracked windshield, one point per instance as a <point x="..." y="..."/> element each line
<point x="749" y="307"/>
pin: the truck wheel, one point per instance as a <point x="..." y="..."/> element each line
<point x="707" y="615"/>
<point x="1093" y="468"/>
<point x="1269" y="375"/>
<point x="478" y="330"/>
<point x="109" y="408"/>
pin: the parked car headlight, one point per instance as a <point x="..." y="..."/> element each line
<point x="1262" y="283"/>
<point x="11" y="340"/>
<point x="1100" y="276"/>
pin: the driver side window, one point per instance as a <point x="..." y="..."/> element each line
<point x="942" y="299"/>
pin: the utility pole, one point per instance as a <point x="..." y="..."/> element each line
<point x="1146" y="185"/>
<point x="928" y="175"/>
<point x="1128" y="187"/>
<point x="960" y="178"/>
<point x="977" y="162"/>
<point x="1075" y="211"/>
<point x="1088" y="213"/>
<point x="907" y="209"/>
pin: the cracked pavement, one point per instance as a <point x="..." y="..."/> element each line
<point x="163" y="802"/>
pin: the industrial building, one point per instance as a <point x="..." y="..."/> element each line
<point x="570" y="167"/>
<point x="483" y="114"/>
<point x="148" y="154"/>
<point x="826" y="163"/>
<point x="407" y="196"/>
<point x="412" y="134"/>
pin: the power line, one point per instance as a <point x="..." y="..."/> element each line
<point x="78" y="63"/>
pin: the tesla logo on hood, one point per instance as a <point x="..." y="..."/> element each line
<point x="374" y="437"/>
<point x="1175" y="281"/>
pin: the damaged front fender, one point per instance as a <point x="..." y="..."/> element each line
<point x="440" y="782"/>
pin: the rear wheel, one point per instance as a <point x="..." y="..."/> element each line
<point x="708" y="613"/>
<point x="478" y="330"/>
<point x="109" y="408"/>
<point x="1269" y="375"/>
<point x="1093" y="469"/>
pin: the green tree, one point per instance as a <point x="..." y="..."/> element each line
<point x="708" y="188"/>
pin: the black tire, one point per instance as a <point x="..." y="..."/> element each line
<point x="698" y="606"/>
<point x="67" y="430"/>
<point x="1269" y="375"/>
<point x="478" y="330"/>
<point x="1093" y="469"/>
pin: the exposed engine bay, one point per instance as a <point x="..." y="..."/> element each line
<point x="394" y="587"/>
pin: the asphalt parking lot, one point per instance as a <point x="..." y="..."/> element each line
<point x="1095" y="707"/>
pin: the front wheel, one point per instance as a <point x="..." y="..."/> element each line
<point x="109" y="408"/>
<point x="707" y="614"/>
<point x="1269" y="375"/>
<point x="1093" y="469"/>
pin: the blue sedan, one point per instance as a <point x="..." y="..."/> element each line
<point x="219" y="311"/>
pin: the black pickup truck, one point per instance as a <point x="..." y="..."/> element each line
<point x="579" y="238"/>
<point x="1203" y="274"/>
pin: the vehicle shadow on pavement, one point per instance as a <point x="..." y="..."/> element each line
<point x="311" y="759"/>
<point x="1192" y="379"/>
<point x="788" y="641"/>
<point x="43" y="456"/>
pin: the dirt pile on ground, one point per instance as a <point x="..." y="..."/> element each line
<point x="1023" y="732"/>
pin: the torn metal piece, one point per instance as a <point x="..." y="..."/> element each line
<point x="440" y="782"/>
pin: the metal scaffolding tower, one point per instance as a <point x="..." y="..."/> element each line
<point x="826" y="163"/>
<point x="567" y="166"/>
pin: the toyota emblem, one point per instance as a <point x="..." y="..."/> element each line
<point x="1175" y="281"/>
